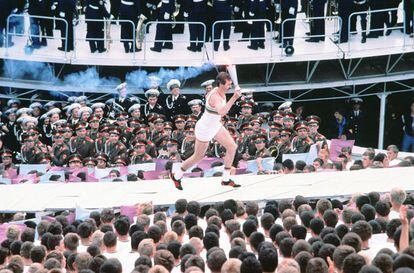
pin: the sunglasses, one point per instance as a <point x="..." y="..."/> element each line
<point x="258" y="141"/>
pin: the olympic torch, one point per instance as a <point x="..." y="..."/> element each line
<point x="233" y="74"/>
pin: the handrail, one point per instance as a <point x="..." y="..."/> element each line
<point x="173" y="23"/>
<point x="105" y="39"/>
<point x="37" y="36"/>
<point x="368" y="13"/>
<point x="247" y="39"/>
<point x="339" y="20"/>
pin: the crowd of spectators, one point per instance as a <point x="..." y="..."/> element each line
<point x="368" y="233"/>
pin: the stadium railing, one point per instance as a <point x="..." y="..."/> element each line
<point x="10" y="31"/>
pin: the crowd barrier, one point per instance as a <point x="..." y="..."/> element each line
<point x="30" y="32"/>
<point x="369" y="14"/>
<point x="108" y="38"/>
<point x="267" y="39"/>
<point x="208" y="167"/>
<point x="172" y="23"/>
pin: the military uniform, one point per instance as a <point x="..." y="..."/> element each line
<point x="301" y="144"/>
<point x="95" y="10"/>
<point x="360" y="6"/>
<point x="222" y="11"/>
<point x="187" y="148"/>
<point x="60" y="154"/>
<point x="344" y="11"/>
<point x="176" y="105"/>
<point x="66" y="9"/>
<point x="113" y="150"/>
<point x="38" y="26"/>
<point x="82" y="145"/>
<point x="289" y="11"/>
<point x="143" y="158"/>
<point x="317" y="26"/>
<point x="163" y="35"/>
<point x="152" y="109"/>
<point x="257" y="11"/>
<point x="196" y="10"/>
<point x="129" y="10"/>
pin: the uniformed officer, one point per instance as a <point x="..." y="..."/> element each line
<point x="196" y="11"/>
<point x="113" y="146"/>
<point x="29" y="153"/>
<point x="245" y="143"/>
<point x="409" y="20"/>
<point x="344" y="11"/>
<point x="152" y="105"/>
<point x="262" y="152"/>
<point x="7" y="161"/>
<point x="288" y="120"/>
<point x="317" y="26"/>
<point x="75" y="161"/>
<point x="360" y="6"/>
<point x="222" y="11"/>
<point x="99" y="111"/>
<point x="158" y="128"/>
<point x="175" y="102"/>
<point x="378" y="19"/>
<point x="7" y="6"/>
<point x="135" y="111"/>
<point x="129" y="10"/>
<point x="93" y="127"/>
<point x="277" y="116"/>
<point x="196" y="107"/>
<point x="89" y="162"/>
<point x="257" y="11"/>
<point x="301" y="143"/>
<point x="59" y="150"/>
<point x="115" y="6"/>
<point x="246" y="112"/>
<point x="37" y="26"/>
<point x="284" y="143"/>
<point x="66" y="9"/>
<point x="313" y="124"/>
<point x="163" y="34"/>
<point x="357" y="122"/>
<point x="178" y="133"/>
<point x="138" y="154"/>
<point x="81" y="143"/>
<point x="188" y="145"/>
<point x="11" y="127"/>
<point x="101" y="160"/>
<point x="208" y="86"/>
<point x="95" y="10"/>
<point x="274" y="133"/>
<point x="289" y="11"/>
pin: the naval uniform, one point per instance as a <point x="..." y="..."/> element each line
<point x="95" y="10"/>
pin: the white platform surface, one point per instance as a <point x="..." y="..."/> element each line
<point x="396" y="43"/>
<point x="29" y="197"/>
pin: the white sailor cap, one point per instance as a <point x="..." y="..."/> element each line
<point x="174" y="83"/>
<point x="154" y="81"/>
<point x="195" y="102"/>
<point x="84" y="109"/>
<point x="50" y="104"/>
<point x="53" y="111"/>
<point x="60" y="122"/>
<point x="134" y="99"/>
<point x="268" y="104"/>
<point x="98" y="105"/>
<point x="285" y="105"/>
<point x="72" y="99"/>
<point x="27" y="119"/>
<point x="82" y="99"/>
<point x="23" y="111"/>
<point x="10" y="111"/>
<point x="44" y="116"/>
<point x="110" y="101"/>
<point x="207" y="83"/>
<point x="152" y="93"/>
<point x="36" y="104"/>
<point x="72" y="106"/>
<point x="134" y="107"/>
<point x="356" y="100"/>
<point x="13" y="101"/>
<point x="121" y="86"/>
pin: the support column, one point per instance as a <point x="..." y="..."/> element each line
<point x="383" y="102"/>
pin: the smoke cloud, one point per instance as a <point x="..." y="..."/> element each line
<point x="90" y="79"/>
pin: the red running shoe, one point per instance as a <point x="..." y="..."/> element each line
<point x="230" y="183"/>
<point x="177" y="182"/>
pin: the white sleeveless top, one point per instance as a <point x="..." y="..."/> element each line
<point x="209" y="108"/>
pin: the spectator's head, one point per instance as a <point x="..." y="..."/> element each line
<point x="323" y="205"/>
<point x="330" y="218"/>
<point x="110" y="239"/>
<point x="210" y="240"/>
<point x="164" y="258"/>
<point x="317" y="265"/>
<point x="363" y="229"/>
<point x="38" y="254"/>
<point x="111" y="265"/>
<point x="398" y="196"/>
<point x="215" y="260"/>
<point x="353" y="263"/>
<point x="383" y="262"/>
<point x="251" y="265"/>
<point x="316" y="225"/>
<point x="339" y="255"/>
<point x="352" y="239"/>
<point x="268" y="259"/>
<point x="181" y="206"/>
<point x="382" y="208"/>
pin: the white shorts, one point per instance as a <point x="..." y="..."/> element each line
<point x="207" y="127"/>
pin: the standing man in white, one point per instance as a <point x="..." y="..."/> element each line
<point x="209" y="126"/>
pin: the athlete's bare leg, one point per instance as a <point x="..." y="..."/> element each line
<point x="224" y="138"/>
<point x="200" y="149"/>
